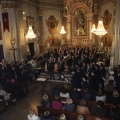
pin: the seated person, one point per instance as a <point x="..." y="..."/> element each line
<point x="63" y="117"/>
<point x="45" y="101"/>
<point x="3" y="92"/>
<point x="69" y="106"/>
<point x="87" y="94"/>
<point x="64" y="93"/>
<point x="82" y="107"/>
<point x="57" y="104"/>
<point x="114" y="98"/>
<point x="80" y="117"/>
<point x="97" y="118"/>
<point x="114" y="112"/>
<point x="46" y="116"/>
<point x="100" y="96"/>
<point x="99" y="110"/>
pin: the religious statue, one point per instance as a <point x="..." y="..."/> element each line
<point x="80" y="22"/>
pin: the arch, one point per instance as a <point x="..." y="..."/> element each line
<point x="77" y="5"/>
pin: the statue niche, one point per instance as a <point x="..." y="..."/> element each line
<point x="80" y="22"/>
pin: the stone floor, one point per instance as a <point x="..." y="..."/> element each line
<point x="21" y="109"/>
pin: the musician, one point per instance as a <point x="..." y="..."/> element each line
<point x="50" y="68"/>
<point x="69" y="63"/>
<point x="61" y="68"/>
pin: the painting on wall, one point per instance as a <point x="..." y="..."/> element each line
<point x="107" y="19"/>
<point x="80" y="22"/>
<point x="0" y="32"/>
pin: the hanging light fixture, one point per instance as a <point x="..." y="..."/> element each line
<point x="62" y="30"/>
<point x="93" y="28"/>
<point x="100" y="29"/>
<point x="30" y="34"/>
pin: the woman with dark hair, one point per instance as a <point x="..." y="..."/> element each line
<point x="114" y="112"/>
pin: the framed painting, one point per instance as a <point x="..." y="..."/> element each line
<point x="80" y="22"/>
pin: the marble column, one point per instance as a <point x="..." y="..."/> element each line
<point x="69" y="41"/>
<point x="116" y="44"/>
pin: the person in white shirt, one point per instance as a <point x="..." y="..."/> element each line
<point x="100" y="96"/>
<point x="64" y="93"/>
<point x="3" y="92"/>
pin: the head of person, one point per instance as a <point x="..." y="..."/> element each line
<point x="83" y="103"/>
<point x="45" y="97"/>
<point x="64" y="90"/>
<point x="99" y="93"/>
<point x="114" y="108"/>
<point x="63" y="117"/>
<point x="100" y="103"/>
<point x="97" y="118"/>
<point x="57" y="97"/>
<point x="69" y="101"/>
<point x="80" y="117"/>
<point x="115" y="94"/>
<point x="47" y="114"/>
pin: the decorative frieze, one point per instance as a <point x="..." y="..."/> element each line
<point x="10" y="3"/>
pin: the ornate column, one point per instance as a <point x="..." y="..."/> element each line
<point x="69" y="41"/>
<point x="116" y="47"/>
<point x="14" y="13"/>
<point x="90" y="20"/>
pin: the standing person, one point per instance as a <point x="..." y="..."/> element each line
<point x="3" y="92"/>
<point x="69" y="63"/>
<point x="76" y="80"/>
<point x="50" y="68"/>
<point x="61" y="68"/>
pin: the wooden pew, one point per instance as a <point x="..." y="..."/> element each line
<point x="2" y="103"/>
<point x="70" y="115"/>
<point x="90" y="103"/>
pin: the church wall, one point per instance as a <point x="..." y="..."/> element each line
<point x="2" y="42"/>
<point x="108" y="38"/>
<point x="46" y="14"/>
<point x="110" y="7"/>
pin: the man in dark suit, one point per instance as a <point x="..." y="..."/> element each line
<point x="61" y="68"/>
<point x="50" y="68"/>
<point x="76" y="80"/>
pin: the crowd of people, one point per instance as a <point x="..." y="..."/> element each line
<point x="90" y="69"/>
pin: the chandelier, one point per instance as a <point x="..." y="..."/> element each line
<point x="100" y="29"/>
<point x="62" y="30"/>
<point x="93" y="28"/>
<point x="30" y="34"/>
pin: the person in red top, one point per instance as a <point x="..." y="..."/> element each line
<point x="57" y="104"/>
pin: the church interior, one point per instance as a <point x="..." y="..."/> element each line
<point x="70" y="46"/>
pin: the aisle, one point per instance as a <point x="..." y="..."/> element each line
<point x="20" y="110"/>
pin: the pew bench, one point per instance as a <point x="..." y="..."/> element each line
<point x="69" y="115"/>
<point x="77" y="101"/>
